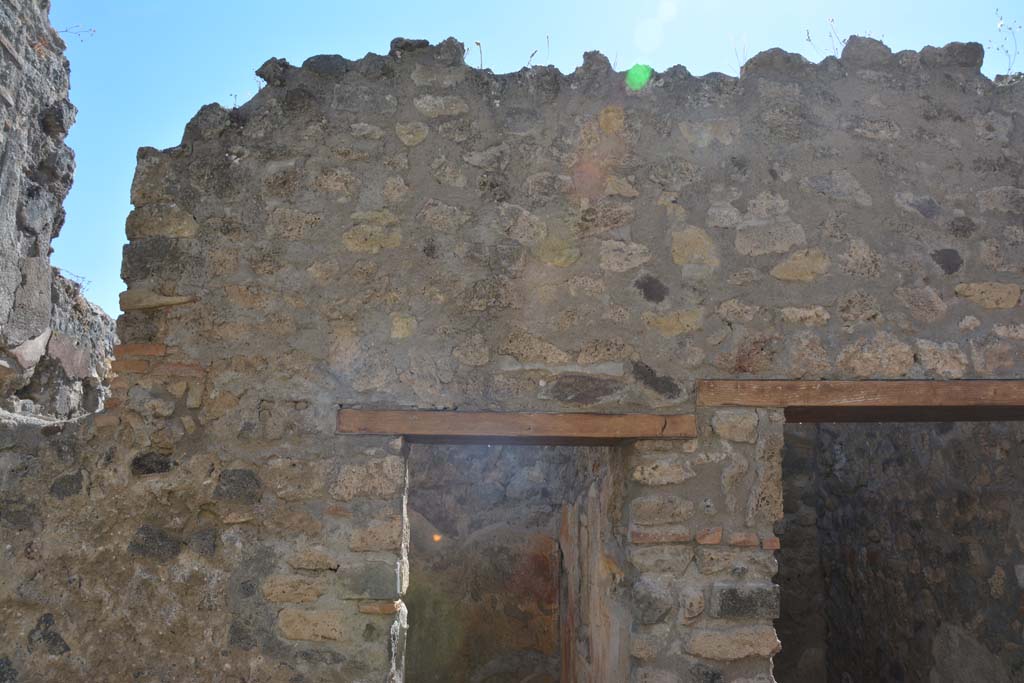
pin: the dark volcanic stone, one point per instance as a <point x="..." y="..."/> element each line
<point x="150" y="463"/>
<point x="67" y="485"/>
<point x="238" y="486"/>
<point x="154" y="543"/>
<point x="19" y="515"/>
<point x="927" y="207"/>
<point x="702" y="674"/>
<point x="408" y="45"/>
<point x="666" y="386"/>
<point x="745" y="601"/>
<point x="652" y="288"/>
<point x="8" y="674"/>
<point x="583" y="388"/>
<point x="44" y="636"/>
<point x="241" y="635"/>
<point x="204" y="542"/>
<point x="962" y="226"/>
<point x="948" y="259"/>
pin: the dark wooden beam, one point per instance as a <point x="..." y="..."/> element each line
<point x="871" y="400"/>
<point x="534" y="428"/>
<point x="903" y="414"/>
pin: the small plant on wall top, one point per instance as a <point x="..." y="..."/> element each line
<point x="1006" y="42"/>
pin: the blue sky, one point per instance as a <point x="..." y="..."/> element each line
<point x="151" y="64"/>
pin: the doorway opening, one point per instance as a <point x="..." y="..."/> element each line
<point x="902" y="553"/>
<point x="502" y="546"/>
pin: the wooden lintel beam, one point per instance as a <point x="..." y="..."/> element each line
<point x="872" y="400"/>
<point x="457" y="426"/>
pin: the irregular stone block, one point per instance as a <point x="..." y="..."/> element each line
<point x="311" y="625"/>
<point x="666" y="559"/>
<point x="694" y="247"/>
<point x="719" y="559"/>
<point x="380" y="535"/>
<point x="411" y="134"/>
<point x="1004" y="199"/>
<point x="744" y="601"/>
<point x="990" y="294"/>
<point x="67" y="485"/>
<point x="297" y="589"/>
<point x="735" y="425"/>
<point x="663" y="471"/>
<point x="150" y="463"/>
<point x="434" y="106"/>
<point x="733" y="643"/>
<point x="379" y="478"/>
<point x="141" y="299"/>
<point x="372" y="579"/>
<point x="660" y="509"/>
<point x="238" y="486"/>
<point x="652" y="600"/>
<point x="155" y="543"/>
<point x="314" y="559"/>
<point x="44" y="636"/>
<point x="802" y="266"/>
<point x="884" y="357"/>
<point x="160" y="220"/>
<point x="674" y="323"/>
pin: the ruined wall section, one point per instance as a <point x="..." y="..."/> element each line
<point x="54" y="345"/>
<point x="419" y="233"/>
<point x="922" y="544"/>
<point x="405" y="231"/>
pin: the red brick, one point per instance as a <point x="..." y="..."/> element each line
<point x="744" y="539"/>
<point x="771" y="543"/>
<point x="130" y="366"/>
<point x="710" y="536"/>
<point x="379" y="606"/>
<point x="130" y="350"/>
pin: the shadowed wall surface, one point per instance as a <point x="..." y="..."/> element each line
<point x="912" y="568"/>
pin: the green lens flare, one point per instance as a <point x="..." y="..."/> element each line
<point x="638" y="76"/>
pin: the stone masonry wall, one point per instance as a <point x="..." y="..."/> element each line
<point x="922" y="546"/>
<point x="700" y="518"/>
<point x="54" y="345"/>
<point x="405" y="231"/>
<point x="421" y="234"/>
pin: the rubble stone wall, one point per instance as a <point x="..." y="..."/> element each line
<point x="406" y="231"/>
<point x="54" y="345"/>
<point x="421" y="234"/>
